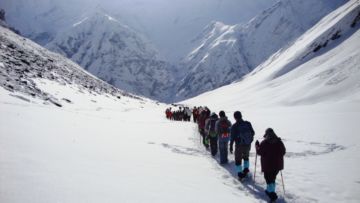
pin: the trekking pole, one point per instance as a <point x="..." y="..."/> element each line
<point x="255" y="166"/>
<point x="282" y="180"/>
<point x="255" y="170"/>
<point x="255" y="162"/>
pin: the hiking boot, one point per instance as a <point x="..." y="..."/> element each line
<point x="224" y="162"/>
<point x="246" y="171"/>
<point x="273" y="196"/>
<point x="267" y="193"/>
<point x="241" y="175"/>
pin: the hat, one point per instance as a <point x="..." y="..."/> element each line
<point x="269" y="133"/>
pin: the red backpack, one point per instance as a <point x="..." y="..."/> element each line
<point x="224" y="129"/>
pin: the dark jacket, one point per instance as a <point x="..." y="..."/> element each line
<point x="242" y="132"/>
<point x="272" y="151"/>
<point x="208" y="125"/>
<point x="201" y="119"/>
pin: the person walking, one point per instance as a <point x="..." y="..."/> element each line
<point x="195" y="114"/>
<point x="188" y="114"/>
<point x="203" y="115"/>
<point x="242" y="133"/>
<point x="223" y="131"/>
<point x="212" y="135"/>
<point x="272" y="151"/>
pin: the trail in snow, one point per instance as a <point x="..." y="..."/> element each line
<point x="248" y="187"/>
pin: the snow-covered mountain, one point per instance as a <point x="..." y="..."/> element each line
<point x="309" y="94"/>
<point x="166" y="24"/>
<point x="102" y="145"/>
<point x="30" y="71"/>
<point x="226" y="53"/>
<point x="101" y="148"/>
<point x="115" y="53"/>
<point x="322" y="65"/>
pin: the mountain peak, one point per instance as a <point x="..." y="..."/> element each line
<point x="115" y="53"/>
<point x="98" y="16"/>
<point x="237" y="49"/>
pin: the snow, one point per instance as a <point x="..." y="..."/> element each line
<point x="311" y="100"/>
<point x="111" y="18"/>
<point x="81" y="21"/>
<point x="223" y="54"/>
<point x="116" y="54"/>
<point x="137" y="46"/>
<point x="166" y="24"/>
<point x="99" y="145"/>
<point x="99" y="148"/>
<point x="105" y="152"/>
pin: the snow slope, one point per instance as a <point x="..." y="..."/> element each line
<point x="40" y="20"/>
<point x="225" y="53"/>
<point x="310" y="94"/>
<point x="24" y="65"/>
<point x="102" y="145"/>
<point x="116" y="54"/>
<point x="321" y="65"/>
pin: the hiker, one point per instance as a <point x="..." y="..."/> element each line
<point x="201" y="124"/>
<point x="168" y="113"/>
<point x="171" y="115"/>
<point x="242" y="133"/>
<point x="211" y="132"/>
<point x="195" y="114"/>
<point x="188" y="114"/>
<point x="222" y="128"/>
<point x="272" y="151"/>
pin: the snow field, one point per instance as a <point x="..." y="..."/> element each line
<point x="106" y="153"/>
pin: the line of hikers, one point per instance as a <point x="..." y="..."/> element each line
<point x="217" y="131"/>
<point x="183" y="114"/>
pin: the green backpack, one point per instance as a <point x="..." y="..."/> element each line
<point x="212" y="132"/>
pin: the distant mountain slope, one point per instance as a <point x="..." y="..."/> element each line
<point x="323" y="65"/>
<point x="226" y="53"/>
<point x="26" y="66"/>
<point x="167" y="24"/>
<point x="115" y="53"/>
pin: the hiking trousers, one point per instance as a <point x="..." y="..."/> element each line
<point x="241" y="152"/>
<point x="204" y="138"/>
<point x="213" y="145"/>
<point x="270" y="176"/>
<point x="223" y="150"/>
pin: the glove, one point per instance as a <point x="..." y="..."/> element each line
<point x="257" y="144"/>
<point x="231" y="149"/>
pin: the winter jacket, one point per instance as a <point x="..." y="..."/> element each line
<point x="208" y="126"/>
<point x="188" y="112"/>
<point x="272" y="151"/>
<point x="201" y="120"/>
<point x="223" y="134"/>
<point x="242" y="133"/>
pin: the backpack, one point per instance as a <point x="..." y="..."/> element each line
<point x="224" y="129"/>
<point x="246" y="133"/>
<point x="212" y="132"/>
